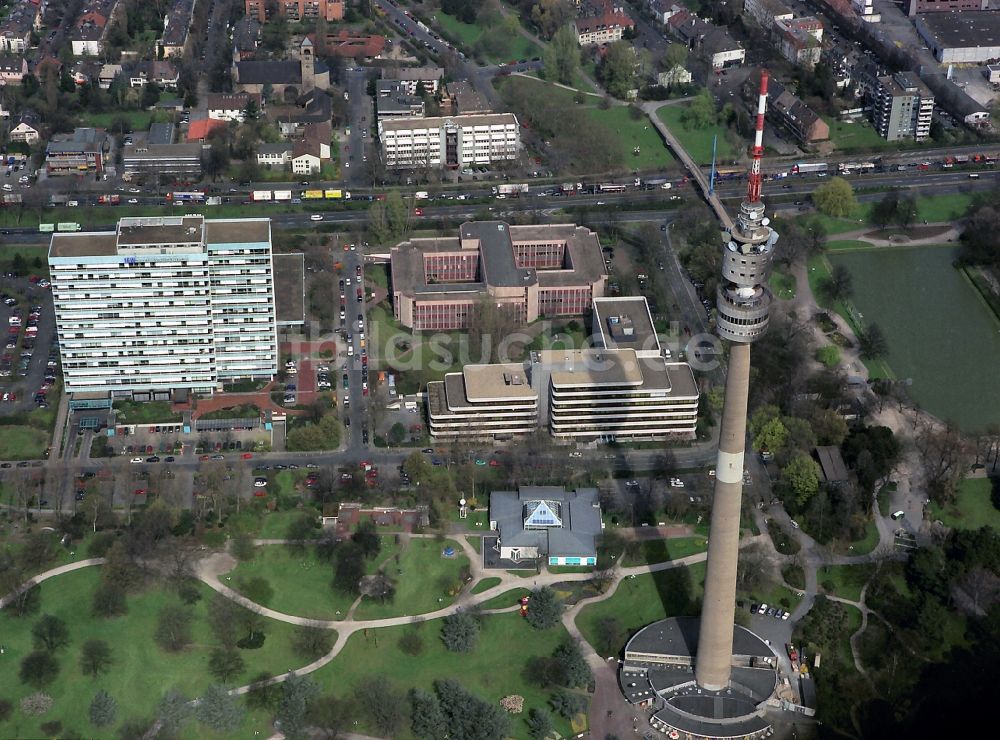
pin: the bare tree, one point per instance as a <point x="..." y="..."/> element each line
<point x="943" y="451"/>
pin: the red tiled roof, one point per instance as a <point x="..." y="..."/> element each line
<point x="607" y="20"/>
<point x="200" y="129"/>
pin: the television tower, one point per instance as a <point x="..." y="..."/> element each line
<point x="742" y="304"/>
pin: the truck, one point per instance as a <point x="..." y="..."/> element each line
<point x="10" y="199"/>
<point x="213" y="200"/>
<point x="260" y="195"/>
<point x="806" y="168"/>
<point x="312" y="194"/>
<point x="513" y="189"/>
<point x="568" y="188"/>
<point x="658" y="182"/>
<point x="283" y="195"/>
<point x="68" y="226"/>
<point x="334" y="194"/>
<point x="109" y="200"/>
<point x="421" y="195"/>
<point x="46" y="228"/>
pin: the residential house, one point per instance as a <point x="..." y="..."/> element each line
<point x="4" y="113"/>
<point x="12" y="70"/>
<point x="956" y="101"/>
<point x="274" y="156"/>
<point x="767" y="12"/>
<point x="800" y="40"/>
<point x="82" y="151"/>
<point x="296" y="10"/>
<point x="799" y="119"/>
<point x="312" y="107"/>
<point x="305" y="159"/>
<point x="164" y="74"/>
<point x="664" y="10"/>
<point x="91" y="27"/>
<point x="27" y="128"/>
<point x="232" y="106"/>
<point x="15" y="30"/>
<point x="707" y="40"/>
<point x="86" y="71"/>
<point x="393" y="101"/>
<point x="673" y="77"/>
<point x="603" y="28"/>
<point x="349" y="44"/>
<point x="107" y="75"/>
<point x="246" y="39"/>
<point x="413" y="77"/>
<point x="176" y="28"/>
<point x="200" y="129"/>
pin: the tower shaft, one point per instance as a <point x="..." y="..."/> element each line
<point x="715" y="639"/>
<point x="754" y="181"/>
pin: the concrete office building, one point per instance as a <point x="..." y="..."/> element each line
<point x="482" y="402"/>
<point x="535" y="271"/>
<point x="164" y="303"/>
<point x="295" y="10"/>
<point x="174" y="160"/>
<point x="452" y="142"/>
<point x="903" y="107"/>
<point x="915" y="7"/>
<point x="970" y="37"/>
<point x="621" y="389"/>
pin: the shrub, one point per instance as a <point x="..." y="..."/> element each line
<point x="36" y="704"/>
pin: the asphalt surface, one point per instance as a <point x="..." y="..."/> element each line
<point x="25" y="387"/>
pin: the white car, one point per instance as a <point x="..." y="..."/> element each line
<point x="762" y="609"/>
<point x="260" y="483"/>
<point x="631" y="483"/>
<point x="316" y="217"/>
<point x="136" y="460"/>
<point x="676" y="483"/>
<point x="132" y="201"/>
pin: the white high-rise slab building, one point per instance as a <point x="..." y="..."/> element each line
<point x="165" y="303"/>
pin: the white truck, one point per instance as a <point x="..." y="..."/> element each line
<point x="421" y="195"/>
<point x="510" y="189"/>
<point x="261" y="195"/>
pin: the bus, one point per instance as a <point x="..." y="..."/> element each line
<point x="611" y="187"/>
<point x="188" y="197"/>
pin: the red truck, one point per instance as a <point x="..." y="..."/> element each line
<point x="110" y="200"/>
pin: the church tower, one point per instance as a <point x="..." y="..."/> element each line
<point x="307" y="60"/>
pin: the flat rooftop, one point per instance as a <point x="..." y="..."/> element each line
<point x="499" y="382"/>
<point x="84" y="244"/>
<point x="625" y="323"/>
<point x="158" y="230"/>
<point x="289" y="288"/>
<point x="237" y="231"/>
<point x="965" y="29"/>
<point x="596" y="367"/>
<point x="477" y="119"/>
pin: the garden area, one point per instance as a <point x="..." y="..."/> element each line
<point x="697" y="141"/>
<point x="491" y="671"/>
<point x="19" y="442"/>
<point x="140" y="671"/>
<point x="971" y="508"/>
<point x="495" y="44"/>
<point x="145" y="412"/>
<point x="845" y="581"/>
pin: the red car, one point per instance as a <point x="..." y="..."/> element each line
<point x="140" y="492"/>
<point x="203" y="457"/>
<point x="246" y="456"/>
<point x="494" y="463"/>
<point x="259" y="492"/>
<point x="418" y="211"/>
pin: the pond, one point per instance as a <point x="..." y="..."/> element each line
<point x="940" y="334"/>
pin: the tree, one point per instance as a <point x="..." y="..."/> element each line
<point x="330" y="714"/>
<point x="540" y="723"/>
<point x="700" y="112"/>
<point x="562" y="56"/>
<point x="772" y="436"/>
<point x="258" y="589"/>
<point x="296" y="694"/>
<point x="427" y="719"/>
<point x="884" y="211"/>
<point x="310" y="643"/>
<point x="95" y="657"/>
<point x="217" y="160"/>
<point x="225" y="663"/>
<point x="397" y="214"/>
<point x="873" y="343"/>
<point x="49" y="633"/>
<point x="103" y="709"/>
<point x="801" y="475"/>
<point x="150" y="95"/>
<point x="619" y="68"/>
<point x="6" y="709"/>
<point x="544" y="608"/>
<point x="610" y="635"/>
<point x="676" y="55"/>
<point x="568" y="704"/>
<point x="349" y="569"/>
<point x="242" y="546"/>
<point x="412" y="643"/>
<point x="397" y="434"/>
<point x="220" y="710"/>
<point x="173" y="628"/>
<point x="38" y="669"/>
<point x="367" y="539"/>
<point x="468" y="716"/>
<point x="835" y="198"/>
<point x="173" y="712"/>
<point x="382" y="703"/>
<point x="906" y="212"/>
<point x="575" y="669"/>
<point x="840" y="286"/>
<point x="36" y="704"/>
<point x="460" y="632"/>
<point x="550" y="15"/>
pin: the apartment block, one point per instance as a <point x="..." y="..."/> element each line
<point x="533" y="271"/>
<point x="176" y="28"/>
<point x="15" y="30"/>
<point x="296" y="10"/>
<point x="78" y="153"/>
<point x="452" y="142"/>
<point x="903" y="106"/>
<point x="412" y="77"/>
<point x="798" y="118"/>
<point x="604" y="28"/>
<point x="945" y="6"/>
<point x="91" y="27"/>
<point x="163" y="304"/>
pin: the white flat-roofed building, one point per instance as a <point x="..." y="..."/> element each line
<point x="453" y="141"/>
<point x="614" y="395"/>
<point x="164" y="303"/>
<point x="483" y="402"/>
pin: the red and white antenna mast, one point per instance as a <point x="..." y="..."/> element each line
<point x="754" y="182"/>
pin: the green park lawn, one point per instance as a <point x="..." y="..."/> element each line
<point x="855" y="136"/>
<point x="138" y="120"/>
<point x="506" y="599"/>
<point x="847" y="580"/>
<point x="301" y="583"/>
<point x="660" y="551"/>
<point x="273" y="525"/>
<point x="839" y="245"/>
<point x="22" y="442"/>
<point x="492" y="671"/>
<point x="423" y="579"/>
<point x="148" y="412"/>
<point x="697" y="142"/>
<point x="485" y="584"/>
<point x="476" y="541"/>
<point x="629" y="133"/>
<point x="142" y="672"/>
<point x="783" y="284"/>
<point x="972" y="508"/>
<point x="515" y="46"/>
<point x="645" y="598"/>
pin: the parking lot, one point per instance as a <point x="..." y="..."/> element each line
<point x="29" y="363"/>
